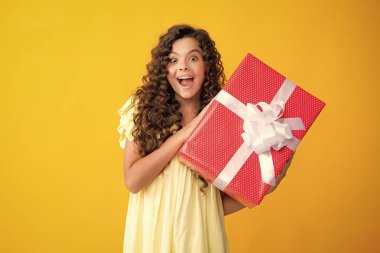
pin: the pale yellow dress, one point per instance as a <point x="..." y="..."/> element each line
<point x="172" y="215"/>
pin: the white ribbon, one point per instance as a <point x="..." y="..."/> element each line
<point x="263" y="129"/>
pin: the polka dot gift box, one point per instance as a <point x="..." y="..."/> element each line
<point x="249" y="131"/>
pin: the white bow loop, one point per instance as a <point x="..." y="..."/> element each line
<point x="262" y="131"/>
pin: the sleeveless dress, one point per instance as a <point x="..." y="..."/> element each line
<point x="172" y="214"/>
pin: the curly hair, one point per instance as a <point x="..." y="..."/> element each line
<point x="158" y="116"/>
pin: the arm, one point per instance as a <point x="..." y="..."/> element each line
<point x="141" y="171"/>
<point x="230" y="205"/>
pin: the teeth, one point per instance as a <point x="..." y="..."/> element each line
<point x="184" y="77"/>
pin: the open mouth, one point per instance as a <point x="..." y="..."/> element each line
<point x="185" y="81"/>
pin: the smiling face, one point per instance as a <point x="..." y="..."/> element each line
<point x="186" y="70"/>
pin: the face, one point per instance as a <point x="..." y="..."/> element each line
<point x="186" y="69"/>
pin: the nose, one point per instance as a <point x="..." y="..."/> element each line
<point x="183" y="65"/>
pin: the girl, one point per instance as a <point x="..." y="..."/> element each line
<point x="172" y="209"/>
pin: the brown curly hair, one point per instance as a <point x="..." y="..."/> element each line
<point x="157" y="115"/>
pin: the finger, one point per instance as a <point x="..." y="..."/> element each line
<point x="207" y="106"/>
<point x="204" y="110"/>
<point x="286" y="166"/>
<point x="288" y="162"/>
<point x="291" y="158"/>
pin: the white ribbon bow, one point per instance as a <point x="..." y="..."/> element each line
<point x="262" y="131"/>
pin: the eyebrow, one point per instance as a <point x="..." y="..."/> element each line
<point x="193" y="50"/>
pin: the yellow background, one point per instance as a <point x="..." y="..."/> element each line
<point x="67" y="67"/>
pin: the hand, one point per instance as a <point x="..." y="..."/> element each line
<point x="282" y="175"/>
<point x="189" y="127"/>
<point x="204" y="110"/>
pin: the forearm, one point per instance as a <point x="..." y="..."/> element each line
<point x="143" y="171"/>
<point x="230" y="205"/>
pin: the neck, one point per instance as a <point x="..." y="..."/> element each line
<point x="189" y="109"/>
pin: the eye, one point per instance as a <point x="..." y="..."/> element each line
<point x="193" y="58"/>
<point x="172" y="59"/>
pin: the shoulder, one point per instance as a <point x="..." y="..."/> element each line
<point x="126" y="125"/>
<point x="128" y="106"/>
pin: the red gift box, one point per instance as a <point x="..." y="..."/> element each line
<point x="249" y="131"/>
